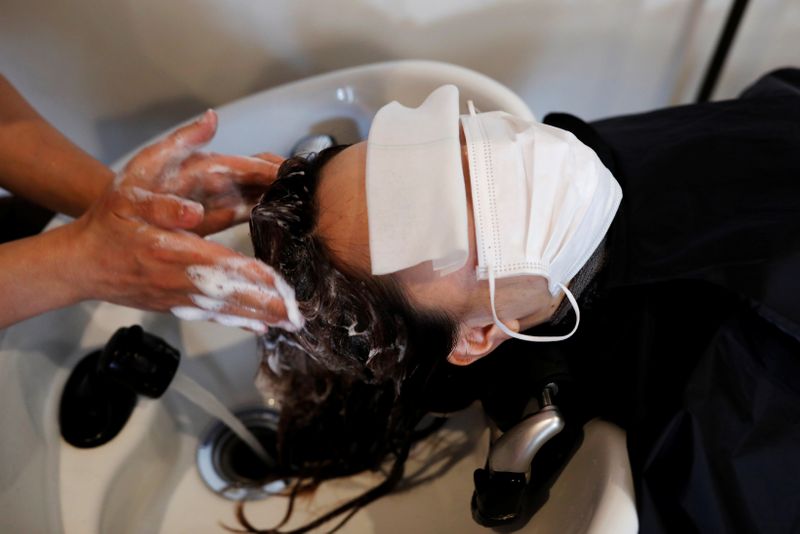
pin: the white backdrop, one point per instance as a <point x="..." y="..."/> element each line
<point x="111" y="73"/>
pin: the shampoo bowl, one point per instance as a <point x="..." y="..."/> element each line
<point x="145" y="479"/>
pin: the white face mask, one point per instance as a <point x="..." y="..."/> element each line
<point x="542" y="202"/>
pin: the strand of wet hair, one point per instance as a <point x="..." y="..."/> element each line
<point x="437" y="423"/>
<point x="418" y="435"/>
<point x="351" y="507"/>
<point x="297" y="487"/>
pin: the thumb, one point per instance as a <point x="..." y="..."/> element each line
<point x="270" y="157"/>
<point x="166" y="210"/>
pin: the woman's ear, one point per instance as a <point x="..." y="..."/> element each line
<point x="475" y="342"/>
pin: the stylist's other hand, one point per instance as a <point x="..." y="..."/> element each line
<point x="227" y="186"/>
<point x="137" y="248"/>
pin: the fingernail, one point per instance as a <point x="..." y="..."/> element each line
<point x="205" y="117"/>
<point x="242" y="212"/>
<point x="189" y="210"/>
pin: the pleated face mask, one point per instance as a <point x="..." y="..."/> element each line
<point x="542" y="203"/>
<point x="542" y="200"/>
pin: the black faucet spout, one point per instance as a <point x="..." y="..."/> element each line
<point x="102" y="390"/>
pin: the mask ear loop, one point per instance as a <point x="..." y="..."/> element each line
<point x="526" y="337"/>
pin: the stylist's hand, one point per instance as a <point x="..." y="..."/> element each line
<point x="136" y="245"/>
<point x="227" y="186"/>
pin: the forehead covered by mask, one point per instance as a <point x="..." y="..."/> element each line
<point x="416" y="196"/>
<point x="542" y="201"/>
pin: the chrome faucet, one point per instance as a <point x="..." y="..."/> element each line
<point x="501" y="487"/>
<point x="513" y="451"/>
<point x="312" y="144"/>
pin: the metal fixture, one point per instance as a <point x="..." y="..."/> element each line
<point x="312" y="144"/>
<point x="501" y="487"/>
<point x="228" y="466"/>
<point x="515" y="449"/>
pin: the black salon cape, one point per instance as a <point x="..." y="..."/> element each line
<point x="690" y="339"/>
<point x="693" y="341"/>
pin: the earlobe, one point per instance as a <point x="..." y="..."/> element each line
<point x="475" y="342"/>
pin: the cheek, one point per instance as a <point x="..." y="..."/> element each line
<point x="452" y="294"/>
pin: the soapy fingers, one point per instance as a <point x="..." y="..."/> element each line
<point x="134" y="249"/>
<point x="220" y="281"/>
<point x="250" y="285"/>
<point x="228" y="170"/>
<point x="163" y="210"/>
<point x="200" y="307"/>
<point x="227" y="186"/>
<point x="139" y="265"/>
<point x="270" y="157"/>
<point x="155" y="166"/>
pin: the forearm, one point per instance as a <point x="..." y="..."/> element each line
<point x="133" y="246"/>
<point x="37" y="274"/>
<point x="38" y="163"/>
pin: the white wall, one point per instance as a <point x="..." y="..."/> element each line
<point x="111" y="73"/>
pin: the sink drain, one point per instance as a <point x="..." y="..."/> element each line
<point x="231" y="469"/>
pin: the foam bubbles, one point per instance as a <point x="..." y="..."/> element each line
<point x="207" y="303"/>
<point x="189" y="313"/>
<point x="226" y="279"/>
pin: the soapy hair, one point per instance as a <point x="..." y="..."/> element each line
<point x="354" y="382"/>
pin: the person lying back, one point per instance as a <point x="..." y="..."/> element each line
<point x="442" y="237"/>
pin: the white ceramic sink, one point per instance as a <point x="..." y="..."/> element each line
<point x="145" y="480"/>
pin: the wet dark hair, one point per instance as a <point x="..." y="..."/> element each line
<point x="354" y="383"/>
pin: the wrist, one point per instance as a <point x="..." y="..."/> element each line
<point x="69" y="265"/>
<point x="36" y="275"/>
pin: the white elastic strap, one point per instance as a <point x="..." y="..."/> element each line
<point x="526" y="337"/>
